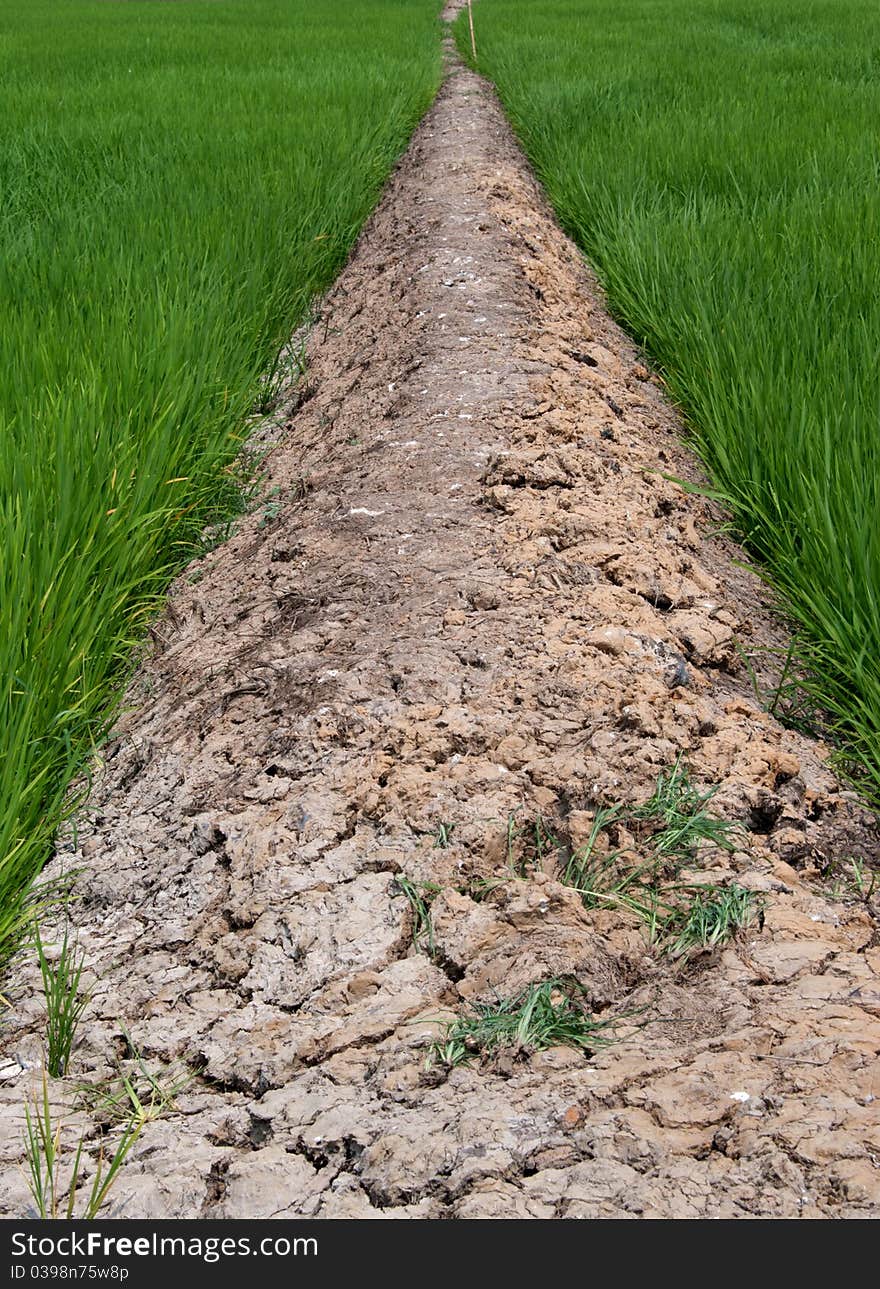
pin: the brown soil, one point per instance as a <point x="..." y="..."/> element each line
<point x="474" y="593"/>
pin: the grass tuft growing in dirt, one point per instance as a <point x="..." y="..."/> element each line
<point x="710" y="917"/>
<point x="675" y="820"/>
<point x="420" y="896"/>
<point x="138" y="1092"/>
<point x="553" y="1013"/>
<point x="671" y="828"/>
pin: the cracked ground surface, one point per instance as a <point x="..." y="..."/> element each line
<point x="471" y="592"/>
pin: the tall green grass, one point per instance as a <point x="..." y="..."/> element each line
<point x="718" y="162"/>
<point x="177" y="181"/>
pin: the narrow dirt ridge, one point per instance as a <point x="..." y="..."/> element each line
<point x="470" y="591"/>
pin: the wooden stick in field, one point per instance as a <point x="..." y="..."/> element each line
<point x="471" y="25"/>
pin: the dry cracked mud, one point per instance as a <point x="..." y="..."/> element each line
<point x="471" y="593"/>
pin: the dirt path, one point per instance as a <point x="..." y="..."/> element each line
<point x="472" y="594"/>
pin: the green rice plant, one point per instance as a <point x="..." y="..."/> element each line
<point x="552" y="1013"/>
<point x="178" y="182"/>
<point x="717" y="163"/>
<point x="711" y="916"/>
<point x="65" y="1002"/>
<point x="44" y="1159"/>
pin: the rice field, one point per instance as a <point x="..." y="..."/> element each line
<point x="177" y="182"/>
<point x="717" y="161"/>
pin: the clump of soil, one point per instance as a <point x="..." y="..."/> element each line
<point x="474" y="601"/>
